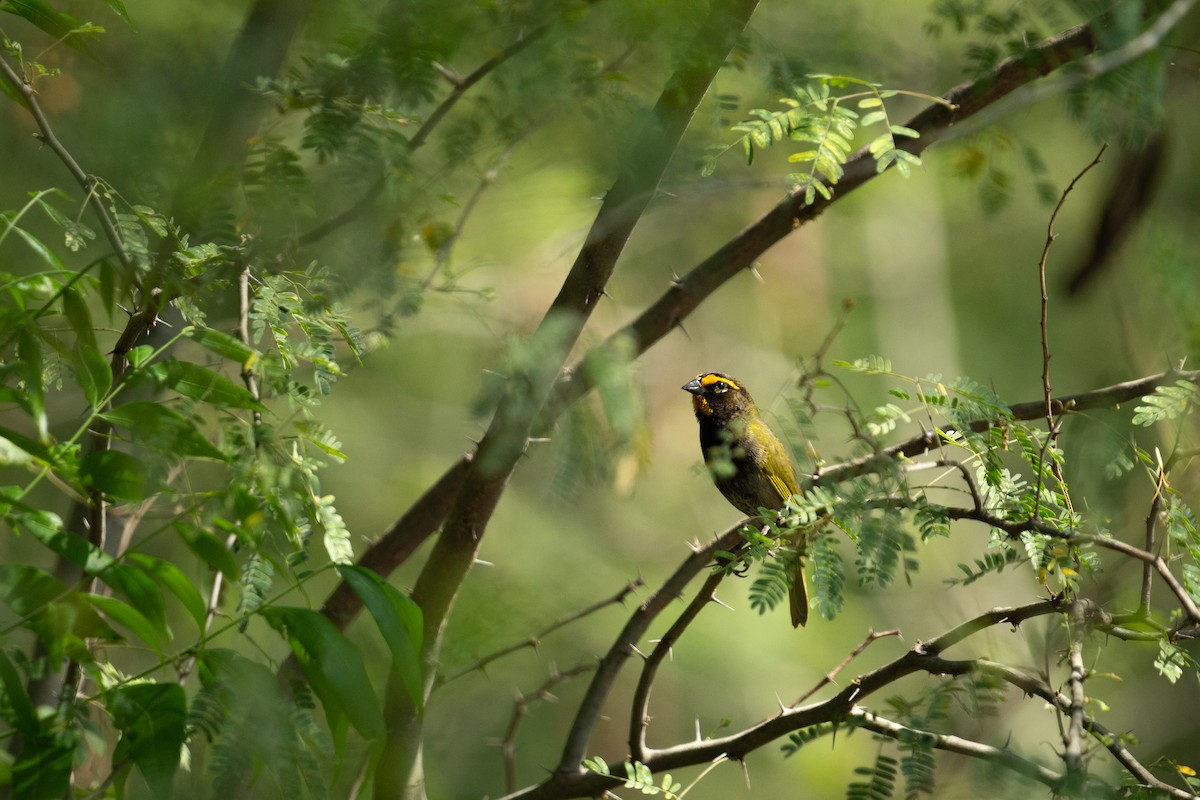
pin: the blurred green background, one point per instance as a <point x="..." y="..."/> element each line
<point x="941" y="268"/>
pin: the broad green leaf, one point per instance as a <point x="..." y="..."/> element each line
<point x="119" y="8"/>
<point x="57" y="24"/>
<point x="119" y="475"/>
<point x="48" y="529"/>
<point x="38" y="246"/>
<point x="160" y="428"/>
<point x="47" y="607"/>
<point x="29" y="351"/>
<point x="176" y="582"/>
<point x="152" y="719"/>
<point x="223" y="344"/>
<point x="142" y="593"/>
<point x="201" y="383"/>
<point x="129" y="618"/>
<point x="93" y="372"/>
<point x="25" y="444"/>
<point x="399" y="620"/>
<point x="211" y="550"/>
<point x="78" y="316"/>
<point x="333" y="667"/>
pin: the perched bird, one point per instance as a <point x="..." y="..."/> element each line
<point x="748" y="463"/>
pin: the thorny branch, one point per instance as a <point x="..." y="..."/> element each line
<point x="639" y="717"/>
<point x="922" y="657"/>
<point x="508" y="745"/>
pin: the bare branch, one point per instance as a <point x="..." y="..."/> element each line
<point x="1151" y="545"/>
<point x="639" y="716"/>
<point x="829" y="677"/>
<point x="1052" y="428"/>
<point x="508" y="745"/>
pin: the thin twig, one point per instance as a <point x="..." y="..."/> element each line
<point x="85" y="181"/>
<point x="462" y="84"/>
<point x="639" y="716"/>
<point x="1052" y="428"/>
<point x="534" y="641"/>
<point x="442" y="256"/>
<point x="1151" y="544"/>
<point x="829" y="677"/>
<point x="251" y="381"/>
<point x="508" y="745"/>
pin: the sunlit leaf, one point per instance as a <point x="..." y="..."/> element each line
<point x="333" y="666"/>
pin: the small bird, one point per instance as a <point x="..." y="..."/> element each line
<point x="747" y="461"/>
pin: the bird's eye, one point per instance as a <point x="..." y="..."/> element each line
<point x="720" y="386"/>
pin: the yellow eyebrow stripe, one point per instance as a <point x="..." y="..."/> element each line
<point x="710" y="379"/>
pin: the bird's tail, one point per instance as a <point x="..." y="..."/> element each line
<point x="798" y="594"/>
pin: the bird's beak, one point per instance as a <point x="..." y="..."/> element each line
<point x="693" y="386"/>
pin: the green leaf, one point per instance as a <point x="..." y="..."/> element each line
<point x="119" y="475"/>
<point x="78" y="316"/>
<point x="156" y="426"/>
<point x="333" y="667"/>
<point x="21" y="714"/>
<point x="48" y="608"/>
<point x="129" y="618"/>
<point x="152" y="719"/>
<point x="38" y="246"/>
<point x="223" y="344"/>
<point x="25" y="444"/>
<point x="211" y="550"/>
<point x="57" y="24"/>
<point x="29" y="353"/>
<point x="93" y="372"/>
<point x="873" y="118"/>
<point x="201" y="383"/>
<point x="176" y="582"/>
<point x="47" y="528"/>
<point x="399" y="620"/>
<point x="119" y="8"/>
